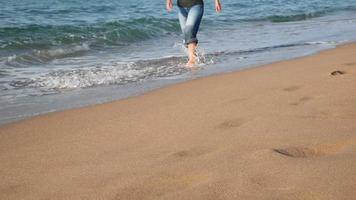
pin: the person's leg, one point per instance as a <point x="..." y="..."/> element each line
<point x="182" y="16"/>
<point x="192" y="54"/>
<point x="193" y="20"/>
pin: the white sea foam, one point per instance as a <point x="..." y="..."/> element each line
<point x="321" y="42"/>
<point x="117" y="73"/>
<point x="11" y="58"/>
<point x="59" y="52"/>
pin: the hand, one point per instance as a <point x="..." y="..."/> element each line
<point x="217" y="6"/>
<point x="169" y="5"/>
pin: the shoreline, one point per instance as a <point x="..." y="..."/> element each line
<point x="283" y="129"/>
<point x="79" y="99"/>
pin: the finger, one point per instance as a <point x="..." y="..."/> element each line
<point x="217" y="8"/>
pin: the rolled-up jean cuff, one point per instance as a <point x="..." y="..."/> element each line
<point x="193" y="40"/>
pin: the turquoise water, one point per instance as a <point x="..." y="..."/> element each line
<point x="55" y="51"/>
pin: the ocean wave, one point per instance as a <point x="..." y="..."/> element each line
<point x="44" y="56"/>
<point x="24" y="41"/>
<point x="62" y="52"/>
<point x="301" y="16"/>
<point x="291" y="18"/>
<point x="122" y="73"/>
<point x="38" y="44"/>
<point x="115" y="73"/>
<point x="120" y="32"/>
<point x="108" y="74"/>
<point x="276" y="13"/>
<point x="39" y="37"/>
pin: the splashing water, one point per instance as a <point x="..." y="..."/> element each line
<point x="202" y="59"/>
<point x="201" y="56"/>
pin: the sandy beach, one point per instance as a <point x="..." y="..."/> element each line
<point x="284" y="131"/>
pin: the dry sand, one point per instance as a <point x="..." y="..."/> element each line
<point x="285" y="131"/>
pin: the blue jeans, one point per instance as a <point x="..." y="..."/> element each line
<point x="189" y="19"/>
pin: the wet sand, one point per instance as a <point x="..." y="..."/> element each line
<point x="282" y="131"/>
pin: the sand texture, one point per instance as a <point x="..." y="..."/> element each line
<point x="285" y="131"/>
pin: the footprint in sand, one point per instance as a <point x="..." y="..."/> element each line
<point x="295" y="194"/>
<point x="13" y="189"/>
<point x="161" y="184"/>
<point x="350" y="64"/>
<point x="236" y="100"/>
<point x="190" y="153"/>
<point x="337" y="72"/>
<point x="292" y="88"/>
<point x="302" y="100"/>
<point x="311" y="151"/>
<point x="234" y="123"/>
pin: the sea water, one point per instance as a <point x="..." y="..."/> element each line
<point x="56" y="55"/>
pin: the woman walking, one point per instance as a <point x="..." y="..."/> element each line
<point x="190" y="13"/>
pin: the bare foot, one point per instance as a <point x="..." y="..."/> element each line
<point x="190" y="63"/>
